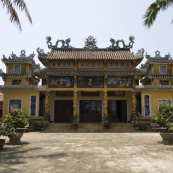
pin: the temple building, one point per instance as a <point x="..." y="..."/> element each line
<point x="90" y="82"/>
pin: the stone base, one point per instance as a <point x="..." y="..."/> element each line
<point x="167" y="136"/>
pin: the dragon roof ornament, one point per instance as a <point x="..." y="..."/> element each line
<point x="21" y="56"/>
<point x="64" y="43"/>
<point x="90" y="43"/>
<point x="115" y="44"/>
<point x="158" y="56"/>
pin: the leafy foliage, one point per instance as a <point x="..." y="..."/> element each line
<point x="164" y="116"/>
<point x="153" y="10"/>
<point x="11" y="10"/>
<point x="7" y="130"/>
<point x="16" y="118"/>
<point x="32" y="122"/>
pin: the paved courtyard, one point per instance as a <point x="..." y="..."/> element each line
<point x="88" y="153"/>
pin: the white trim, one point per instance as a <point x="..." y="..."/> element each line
<point x="162" y="66"/>
<point x="13" y="99"/>
<point x="30" y="105"/>
<point x="14" y="68"/>
<point x="149" y="104"/>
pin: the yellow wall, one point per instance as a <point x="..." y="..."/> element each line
<point x="53" y="97"/>
<point x="155" y="96"/>
<point x="156" y="68"/>
<point x="23" y="95"/>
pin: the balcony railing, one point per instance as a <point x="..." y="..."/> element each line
<point x="22" y="86"/>
<point x="154" y="87"/>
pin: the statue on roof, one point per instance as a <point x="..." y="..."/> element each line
<point x="115" y="44"/>
<point x="90" y="43"/>
<point x="64" y="43"/>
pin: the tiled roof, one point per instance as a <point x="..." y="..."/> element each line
<point x="87" y="72"/>
<point x="99" y="54"/>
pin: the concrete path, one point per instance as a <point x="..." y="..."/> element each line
<point x="88" y="153"/>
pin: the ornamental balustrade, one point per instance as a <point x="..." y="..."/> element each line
<point x="22" y="86"/>
<point x="154" y="86"/>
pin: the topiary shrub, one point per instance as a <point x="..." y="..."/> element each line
<point x="16" y="118"/>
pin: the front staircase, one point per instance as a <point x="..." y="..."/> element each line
<point x="89" y="127"/>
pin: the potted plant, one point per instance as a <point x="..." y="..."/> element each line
<point x="164" y="118"/>
<point x="75" y="121"/>
<point x="6" y="130"/>
<point x="18" y="120"/>
<point x="106" y="121"/>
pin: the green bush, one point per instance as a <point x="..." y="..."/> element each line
<point x="16" y="118"/>
<point x="164" y="116"/>
<point x="32" y="122"/>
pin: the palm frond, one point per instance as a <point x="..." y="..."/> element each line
<point x="22" y="6"/>
<point x="153" y="10"/>
<point x="11" y="12"/>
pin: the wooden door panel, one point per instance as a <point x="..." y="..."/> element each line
<point x="63" y="110"/>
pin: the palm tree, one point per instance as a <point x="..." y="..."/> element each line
<point x="11" y="5"/>
<point x="153" y="10"/>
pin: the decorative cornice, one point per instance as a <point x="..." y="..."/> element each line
<point x="19" y="87"/>
<point x="16" y="75"/>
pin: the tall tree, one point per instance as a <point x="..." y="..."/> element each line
<point x="153" y="10"/>
<point x="11" y="6"/>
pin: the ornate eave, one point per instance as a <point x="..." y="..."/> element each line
<point x="15" y="75"/>
<point x="157" y="87"/>
<point x="65" y="72"/>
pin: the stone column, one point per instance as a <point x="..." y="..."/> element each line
<point x="75" y="103"/>
<point x="46" y="111"/>
<point x="133" y="105"/>
<point x="105" y="103"/>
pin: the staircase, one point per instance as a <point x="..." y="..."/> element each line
<point x="89" y="127"/>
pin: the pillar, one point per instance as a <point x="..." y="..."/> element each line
<point x="133" y="105"/>
<point x="105" y="103"/>
<point x="46" y="111"/>
<point x="75" y="103"/>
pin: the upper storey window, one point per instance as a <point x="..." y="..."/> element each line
<point x="163" y="69"/>
<point x="17" y="68"/>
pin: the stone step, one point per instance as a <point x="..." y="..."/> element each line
<point x="94" y="127"/>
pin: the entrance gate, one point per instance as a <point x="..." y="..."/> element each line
<point x="63" y="111"/>
<point x="117" y="110"/>
<point x="90" y="111"/>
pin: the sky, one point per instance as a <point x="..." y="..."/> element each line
<point x="78" y="19"/>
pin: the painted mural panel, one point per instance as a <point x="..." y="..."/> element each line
<point x="14" y="104"/>
<point x="119" y="82"/>
<point x="61" y="82"/>
<point x="90" y="82"/>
